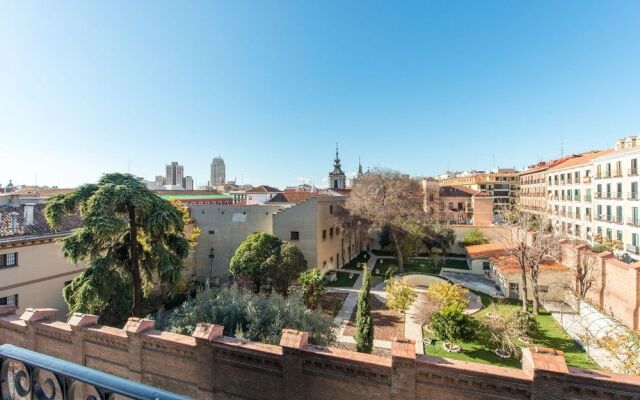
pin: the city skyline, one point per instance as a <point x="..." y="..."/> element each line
<point x="419" y="88"/>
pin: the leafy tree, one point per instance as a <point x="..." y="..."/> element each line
<point x="451" y="324"/>
<point x="438" y="236"/>
<point x="400" y="295"/>
<point x="446" y="294"/>
<point x="387" y="199"/>
<point x="474" y="236"/>
<point x="129" y="236"/>
<point x="312" y="287"/>
<point x="256" y="258"/>
<point x="289" y="267"/>
<point x="364" y="321"/>
<point x="253" y="316"/>
<point x="195" y="232"/>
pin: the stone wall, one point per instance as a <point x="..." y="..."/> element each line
<point x="207" y="365"/>
<point x="616" y="285"/>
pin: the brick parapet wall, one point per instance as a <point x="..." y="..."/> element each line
<point x="616" y="286"/>
<point x="207" y="365"/>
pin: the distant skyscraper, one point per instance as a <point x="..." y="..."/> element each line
<point x="187" y="183"/>
<point x="160" y="180"/>
<point x="175" y="173"/>
<point x="217" y="171"/>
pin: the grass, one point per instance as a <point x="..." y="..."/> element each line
<point x="355" y="264"/>
<point x="343" y="280"/>
<point x="479" y="350"/>
<point x="425" y="266"/>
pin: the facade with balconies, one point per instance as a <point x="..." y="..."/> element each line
<point x="616" y="200"/>
<point x="570" y="196"/>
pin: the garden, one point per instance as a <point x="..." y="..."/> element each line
<point x="419" y="265"/>
<point x="496" y="334"/>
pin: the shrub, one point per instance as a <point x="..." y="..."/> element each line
<point x="312" y="287"/>
<point x="451" y="324"/>
<point x="254" y="316"/>
<point x="400" y="295"/>
<point x="447" y="294"/>
<point x="527" y="323"/>
<point x="473" y="237"/>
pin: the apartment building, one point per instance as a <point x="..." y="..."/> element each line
<point x="570" y="196"/>
<point x="309" y="220"/>
<point x="532" y="197"/>
<point x="33" y="271"/>
<point x="458" y="205"/>
<point x="502" y="184"/>
<point x="616" y="201"/>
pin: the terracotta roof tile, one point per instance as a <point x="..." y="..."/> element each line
<point x="39" y="227"/>
<point x="508" y="264"/>
<point x="584" y="158"/>
<point x="264" y="189"/>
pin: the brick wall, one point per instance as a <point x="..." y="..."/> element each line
<point x="209" y="366"/>
<point x="616" y="286"/>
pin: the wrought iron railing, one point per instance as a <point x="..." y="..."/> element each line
<point x="25" y="374"/>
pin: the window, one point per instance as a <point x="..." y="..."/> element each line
<point x="486" y="265"/>
<point x="513" y="286"/>
<point x="330" y="232"/>
<point x="324" y="234"/>
<point x="460" y="206"/>
<point x="8" y="260"/>
<point x="619" y="235"/>
<point x="211" y="232"/>
<point x="295" y="235"/>
<point x="9" y="300"/>
<point x="330" y="209"/>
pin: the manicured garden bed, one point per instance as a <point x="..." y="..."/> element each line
<point x="331" y="303"/>
<point x="356" y="263"/>
<point x="387" y="324"/>
<point x="479" y="350"/>
<point x="344" y="279"/>
<point x="425" y="266"/>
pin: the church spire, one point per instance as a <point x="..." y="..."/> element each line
<point x="337" y="178"/>
<point x="336" y="162"/>
<point x="359" y="167"/>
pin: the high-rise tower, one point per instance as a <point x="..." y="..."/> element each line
<point x="218" y="172"/>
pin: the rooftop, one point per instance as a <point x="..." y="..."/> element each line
<point x="39" y="227"/>
<point x="508" y="264"/>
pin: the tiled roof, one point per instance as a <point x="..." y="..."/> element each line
<point x="485" y="250"/>
<point x="39" y="226"/>
<point x="293" y="197"/>
<point x="549" y="164"/>
<point x="186" y="192"/>
<point x="584" y="158"/>
<point x="264" y="189"/>
<point x="508" y="264"/>
<point x="459" y="191"/>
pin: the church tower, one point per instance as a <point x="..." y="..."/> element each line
<point x="337" y="178"/>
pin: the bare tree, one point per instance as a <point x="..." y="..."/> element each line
<point x="531" y="244"/>
<point x="584" y="276"/>
<point x="388" y="199"/>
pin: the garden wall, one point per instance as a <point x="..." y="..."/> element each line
<point x="209" y="366"/>
<point x="616" y="285"/>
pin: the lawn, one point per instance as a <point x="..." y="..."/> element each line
<point x="355" y="264"/>
<point x="425" y="266"/>
<point x="479" y="350"/>
<point x="331" y="303"/>
<point x="343" y="279"/>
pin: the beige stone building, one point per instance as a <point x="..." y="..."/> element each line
<point x="502" y="184"/>
<point x="458" y="205"/>
<point x="307" y="219"/>
<point x="532" y="197"/>
<point x="33" y="272"/>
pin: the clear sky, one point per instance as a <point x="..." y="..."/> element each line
<point x="89" y="87"/>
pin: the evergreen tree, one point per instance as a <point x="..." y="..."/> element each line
<point x="129" y="239"/>
<point x="364" y="322"/>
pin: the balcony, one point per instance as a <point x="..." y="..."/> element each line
<point x="632" y="172"/>
<point x="27" y="374"/>
<point x="598" y="195"/>
<point x="616" y="195"/>
<point x="633" y="222"/>
<point x="617" y="174"/>
<point x="586" y="179"/>
<point x="587" y="198"/>
<point x="632" y="249"/>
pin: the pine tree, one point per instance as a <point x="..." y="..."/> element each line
<point x="364" y="322"/>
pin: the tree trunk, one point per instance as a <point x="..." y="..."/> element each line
<point x="523" y="289"/>
<point x="135" y="263"/>
<point x="536" y="302"/>
<point x="398" y="252"/>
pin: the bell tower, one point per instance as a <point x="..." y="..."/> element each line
<point x="337" y="178"/>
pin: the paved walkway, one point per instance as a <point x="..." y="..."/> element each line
<point x="473" y="281"/>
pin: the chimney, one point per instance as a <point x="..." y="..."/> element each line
<point x="14" y="222"/>
<point x="28" y="214"/>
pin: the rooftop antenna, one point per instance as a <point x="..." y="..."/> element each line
<point x="561" y="148"/>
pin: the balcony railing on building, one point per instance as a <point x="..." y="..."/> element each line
<point x="633" y="249"/>
<point x="633" y="222"/>
<point x="616" y="195"/>
<point x="632" y="196"/>
<point x="632" y="171"/>
<point x="26" y="374"/>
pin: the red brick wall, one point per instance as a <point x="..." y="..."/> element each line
<point x="208" y="366"/>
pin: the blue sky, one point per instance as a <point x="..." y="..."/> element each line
<point x="89" y="87"/>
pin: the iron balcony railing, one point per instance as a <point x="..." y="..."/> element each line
<point x="632" y="196"/>
<point x="633" y="249"/>
<point x="633" y="221"/>
<point x="632" y="172"/>
<point x="26" y="374"/>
